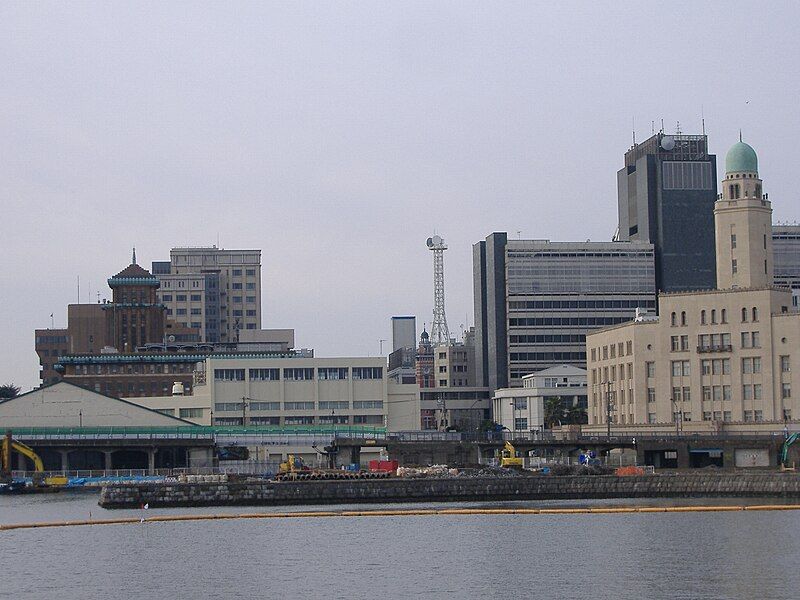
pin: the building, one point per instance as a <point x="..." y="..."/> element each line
<point x="217" y="289"/>
<point x="404" y="332"/>
<point x="716" y="359"/>
<point x="255" y="390"/>
<point x="424" y="362"/>
<point x="786" y="258"/>
<point x="536" y="300"/>
<point x="50" y="344"/>
<point x="666" y="194"/>
<point x="454" y="366"/>
<point x="558" y="393"/>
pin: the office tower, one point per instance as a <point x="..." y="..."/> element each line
<point x="666" y="195"/>
<point x="215" y="290"/>
<point x="786" y="258"/>
<point x="535" y="300"/>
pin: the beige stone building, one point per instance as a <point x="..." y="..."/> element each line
<point x="715" y="359"/>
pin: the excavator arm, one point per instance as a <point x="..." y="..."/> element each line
<point x="785" y="448"/>
<point x="10" y="444"/>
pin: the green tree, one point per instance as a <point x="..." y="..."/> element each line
<point x="8" y="390"/>
<point x="553" y="411"/>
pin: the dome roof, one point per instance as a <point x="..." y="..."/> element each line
<point x="741" y="158"/>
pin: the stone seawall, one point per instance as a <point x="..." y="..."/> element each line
<point x="457" y="489"/>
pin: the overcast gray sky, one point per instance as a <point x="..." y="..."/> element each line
<point x="336" y="137"/>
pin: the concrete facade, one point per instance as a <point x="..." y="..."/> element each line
<point x="717" y="357"/>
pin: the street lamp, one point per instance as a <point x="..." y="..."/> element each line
<point x="677" y="415"/>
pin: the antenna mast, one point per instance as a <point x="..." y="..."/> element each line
<point x="440" y="334"/>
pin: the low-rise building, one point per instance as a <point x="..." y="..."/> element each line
<point x="557" y="394"/>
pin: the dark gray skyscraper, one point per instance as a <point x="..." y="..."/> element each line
<point x="666" y="196"/>
<point x="786" y="255"/>
<point x="535" y="300"/>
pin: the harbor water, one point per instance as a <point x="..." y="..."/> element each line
<point x="695" y="555"/>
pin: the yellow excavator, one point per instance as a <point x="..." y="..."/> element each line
<point x="509" y="457"/>
<point x="9" y="444"/>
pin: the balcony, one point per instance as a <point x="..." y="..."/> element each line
<point x="717" y="348"/>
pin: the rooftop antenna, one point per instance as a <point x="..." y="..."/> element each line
<point x="662" y="125"/>
<point x="678" y="128"/>
<point x="79" y="289"/>
<point x="702" y="120"/>
<point x="740" y="134"/>
<point x="133" y="258"/>
<point x="519" y="234"/>
<point x="633" y="129"/>
<point x="652" y="127"/>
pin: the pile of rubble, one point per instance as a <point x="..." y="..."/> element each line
<point x="489" y="471"/>
<point x="421" y="472"/>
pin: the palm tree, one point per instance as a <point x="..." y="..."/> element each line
<point x="553" y="411"/>
<point x="8" y="391"/>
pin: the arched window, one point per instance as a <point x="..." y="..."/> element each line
<point x="674" y="319"/>
<point x="724" y="315"/>
<point x="744" y="315"/>
<point x="702" y="317"/>
<point x="755" y="314"/>
<point x="713" y="316"/>
<point x="683" y="318"/>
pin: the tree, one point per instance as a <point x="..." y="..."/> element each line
<point x="553" y="411"/>
<point x="8" y="391"/>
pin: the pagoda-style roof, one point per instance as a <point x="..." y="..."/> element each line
<point x="133" y="274"/>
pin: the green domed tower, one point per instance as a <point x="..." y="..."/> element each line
<point x="743" y="224"/>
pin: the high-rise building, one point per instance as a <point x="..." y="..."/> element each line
<point x="786" y="258"/>
<point x="535" y="300"/>
<point x="666" y="195"/>
<point x="213" y="289"/>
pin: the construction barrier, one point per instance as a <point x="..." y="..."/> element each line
<point x="404" y="513"/>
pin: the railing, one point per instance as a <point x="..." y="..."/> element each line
<point x="716" y="348"/>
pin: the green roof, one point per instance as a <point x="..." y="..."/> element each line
<point x="741" y="158"/>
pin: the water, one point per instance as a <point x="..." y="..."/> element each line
<point x="743" y="555"/>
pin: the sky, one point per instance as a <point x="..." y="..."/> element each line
<point x="338" y="136"/>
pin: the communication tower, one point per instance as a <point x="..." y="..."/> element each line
<point x="440" y="334"/>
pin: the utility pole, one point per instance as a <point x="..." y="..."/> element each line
<point x="244" y="409"/>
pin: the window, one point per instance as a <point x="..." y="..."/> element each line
<point x="674" y="319"/>
<point x="594" y="354"/>
<point x="651" y="417"/>
<point x="442" y="368"/>
<point x="520" y="423"/>
<point x="726" y="366"/>
<point x="717" y="393"/>
<point x="755" y="314"/>
<point x="237" y="312"/>
<point x="180" y="311"/>
<point x="744" y="315"/>
<point x="756" y="364"/>
<point x="705" y="365"/>
<point x="675" y="343"/>
<point x="713" y="316"/>
<point x="756" y="340"/>
<point x="706" y="416"/>
<point x="265" y="420"/>
<point x="747" y="392"/>
<point x="250" y="286"/>
<point x="237" y="299"/>
<point x="250" y="299"/>
<point x="748" y="415"/>
<point x="676" y="394"/>
<point x="786" y="390"/>
<point x="629" y="347"/>
<point x="747" y="365"/>
<point x="706" y="392"/>
<point x="757" y="415"/>
<point x="684" y="343"/>
<point x="651" y="394"/>
<point x="787" y="414"/>
<point x="746" y="339"/>
<point x="756" y="391"/>
<point x="237" y="272"/>
<point x="733" y="241"/>
<point x="180" y="298"/>
<point x="228" y="374"/>
<point x="229" y="406"/>
<point x="250" y="313"/>
<point x="265" y="374"/>
<point x="298" y="420"/>
<point x="325" y="373"/>
<point x="265" y="405"/>
<point x="197" y="311"/>
<point x="520" y="404"/>
<point x="724" y="316"/>
<point x="442" y="382"/>
<point x="683" y="318"/>
<point x="334" y="405"/>
<point x="298" y="406"/>
<point x="171" y="411"/>
<point x="785" y="365"/>
<point x="363" y="404"/>
<point x="687" y="394"/>
<point x="368" y="419"/>
<point x="167" y="298"/>
<point x="196" y="298"/>
<point x="726" y="416"/>
<point x="676" y="368"/>
<point x="702" y="317"/>
<point x="716" y="366"/>
<point x="334" y="420"/>
<point x="726" y="392"/>
<point x="367" y="372"/>
<point x="651" y="369"/>
<point x="298" y="375"/>
<point x="250" y="272"/>
<point x="191" y="413"/>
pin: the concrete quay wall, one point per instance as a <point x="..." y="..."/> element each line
<point x="457" y="489"/>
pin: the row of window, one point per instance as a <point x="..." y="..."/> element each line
<point x="299" y="374"/>
<point x="114" y="369"/>
<point x="682" y="368"/>
<point x="750" y="391"/>
<point x="566" y="321"/>
<point x="183" y="413"/>
<point x="612" y="350"/>
<point x="321" y="405"/>
<point x="580" y="304"/>
<point x="304" y="420"/>
<point x="709" y="317"/>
